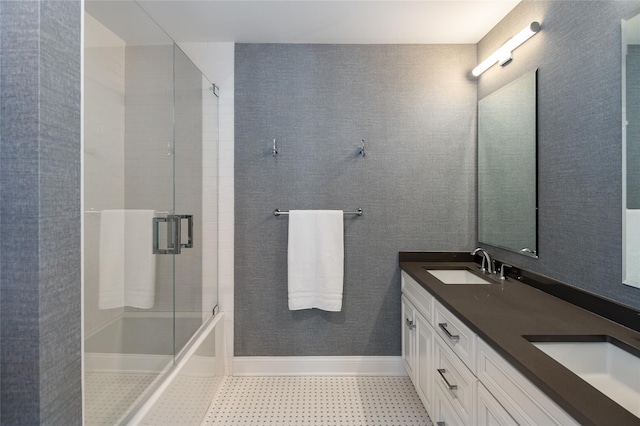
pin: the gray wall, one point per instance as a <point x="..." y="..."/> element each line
<point x="40" y="66"/>
<point x="416" y="109"/>
<point x="577" y="54"/>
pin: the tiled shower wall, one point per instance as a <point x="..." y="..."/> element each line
<point x="216" y="61"/>
<point x="210" y="216"/>
<point x="188" y="131"/>
<point x="149" y="146"/>
<point x="633" y="126"/>
<point x="40" y="68"/>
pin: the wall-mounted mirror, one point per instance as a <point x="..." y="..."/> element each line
<point x="631" y="151"/>
<point x="507" y="178"/>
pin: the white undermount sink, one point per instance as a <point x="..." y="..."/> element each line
<point x="610" y="369"/>
<point x="457" y="276"/>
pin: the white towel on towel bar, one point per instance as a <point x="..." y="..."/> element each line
<point x="127" y="263"/>
<point x="316" y="259"/>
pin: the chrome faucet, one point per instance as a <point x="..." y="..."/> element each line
<point x="487" y="263"/>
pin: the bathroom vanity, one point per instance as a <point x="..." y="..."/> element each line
<point x="483" y="353"/>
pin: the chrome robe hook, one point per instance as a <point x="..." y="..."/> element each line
<point x="361" y="149"/>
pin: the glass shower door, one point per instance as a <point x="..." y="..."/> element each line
<point x="150" y="174"/>
<point x="188" y="121"/>
<point x="128" y="182"/>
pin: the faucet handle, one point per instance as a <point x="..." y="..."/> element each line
<point x="503" y="271"/>
<point x="483" y="266"/>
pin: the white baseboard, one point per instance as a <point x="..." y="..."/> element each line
<point x="319" y="366"/>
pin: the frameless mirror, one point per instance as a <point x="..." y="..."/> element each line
<point x="507" y="179"/>
<point x="631" y="151"/>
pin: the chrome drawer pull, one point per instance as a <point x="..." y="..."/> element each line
<point x="449" y="385"/>
<point x="443" y="327"/>
<point x="441" y="424"/>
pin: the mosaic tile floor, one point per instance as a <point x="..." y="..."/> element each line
<point x="185" y="403"/>
<point x="370" y="401"/>
<point x="108" y="396"/>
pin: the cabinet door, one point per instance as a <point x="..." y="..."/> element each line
<point x="490" y="412"/>
<point x="408" y="337"/>
<point x="424" y="361"/>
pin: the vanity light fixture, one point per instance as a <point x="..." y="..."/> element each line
<point x="503" y="54"/>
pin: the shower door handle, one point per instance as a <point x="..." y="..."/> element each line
<point x="174" y="234"/>
<point x="189" y="243"/>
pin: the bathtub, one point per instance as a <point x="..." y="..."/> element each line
<point x="138" y="343"/>
<point x="143" y="346"/>
<point x="198" y="375"/>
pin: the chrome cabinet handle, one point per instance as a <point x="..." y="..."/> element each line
<point x="452" y="337"/>
<point x="441" y="424"/>
<point x="441" y="371"/>
<point x="410" y="324"/>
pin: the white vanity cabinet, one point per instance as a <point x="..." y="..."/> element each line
<point x="459" y="378"/>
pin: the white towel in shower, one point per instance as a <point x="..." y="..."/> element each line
<point x="127" y="262"/>
<point x="316" y="259"/>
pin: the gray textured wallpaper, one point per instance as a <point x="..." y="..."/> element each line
<point x="578" y="56"/>
<point x="40" y="218"/>
<point x="416" y="109"/>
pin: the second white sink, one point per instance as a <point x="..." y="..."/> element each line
<point x="613" y="371"/>
<point x="457" y="276"/>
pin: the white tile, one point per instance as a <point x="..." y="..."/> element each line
<point x="109" y="396"/>
<point x="260" y="401"/>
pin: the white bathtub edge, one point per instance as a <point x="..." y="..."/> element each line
<point x="155" y="397"/>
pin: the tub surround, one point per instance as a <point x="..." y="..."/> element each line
<point x="503" y="313"/>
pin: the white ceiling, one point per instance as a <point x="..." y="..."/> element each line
<point x="327" y="21"/>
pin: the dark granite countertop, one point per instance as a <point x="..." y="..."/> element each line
<point x="502" y="313"/>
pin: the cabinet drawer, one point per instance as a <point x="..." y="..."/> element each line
<point x="443" y="413"/>
<point x="527" y="404"/>
<point x="421" y="298"/>
<point x="490" y="412"/>
<point x="455" y="381"/>
<point x="457" y="336"/>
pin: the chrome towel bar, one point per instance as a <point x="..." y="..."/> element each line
<point x="99" y="211"/>
<point x="278" y="212"/>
